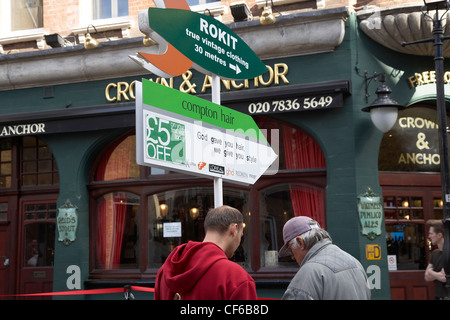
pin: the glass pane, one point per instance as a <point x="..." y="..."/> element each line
<point x="117" y="236"/>
<point x="199" y="2"/>
<point x="29" y="154"/>
<point x="119" y="163"/>
<point x="39" y="244"/>
<point x="4" y="211"/>
<point x="45" y="153"/>
<point x="407" y="242"/>
<point x="186" y="210"/>
<point x="122" y="9"/>
<point x="277" y="205"/>
<point x="5" y="156"/>
<point x="29" y="142"/>
<point x="104" y="9"/>
<point x="5" y="169"/>
<point x="29" y="180"/>
<point x="29" y="167"/>
<point x="26" y="14"/>
<point x="45" y="166"/>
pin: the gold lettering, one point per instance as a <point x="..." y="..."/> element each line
<point x="131" y="90"/>
<point x="419" y="79"/>
<point x="121" y="92"/>
<point x="426" y="77"/>
<point x="237" y="86"/>
<point x="107" y="95"/>
<point x="412" y="81"/>
<point x="163" y="81"/>
<point x="268" y="82"/>
<point x="281" y="74"/>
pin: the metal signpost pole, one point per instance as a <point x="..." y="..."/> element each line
<point x="218" y="185"/>
<point x="438" y="37"/>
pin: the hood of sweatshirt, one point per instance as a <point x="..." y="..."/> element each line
<point x="188" y="263"/>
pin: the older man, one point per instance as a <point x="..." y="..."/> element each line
<point x="326" y="271"/>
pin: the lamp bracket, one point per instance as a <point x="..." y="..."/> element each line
<point x="367" y="79"/>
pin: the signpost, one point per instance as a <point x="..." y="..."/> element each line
<point x="186" y="133"/>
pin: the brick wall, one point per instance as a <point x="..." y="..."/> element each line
<point x="61" y="16"/>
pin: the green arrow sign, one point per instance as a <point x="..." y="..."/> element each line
<point x="210" y="44"/>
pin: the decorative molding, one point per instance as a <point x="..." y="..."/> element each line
<point x="104" y="25"/>
<point x="393" y="25"/>
<point x="291" y="35"/>
<point x="24" y="36"/>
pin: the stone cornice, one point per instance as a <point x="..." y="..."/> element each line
<point x="393" y="25"/>
<point x="291" y="35"/>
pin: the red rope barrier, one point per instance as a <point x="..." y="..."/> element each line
<point x="91" y="291"/>
<point x="81" y="292"/>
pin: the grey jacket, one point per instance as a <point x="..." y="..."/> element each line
<point x="328" y="273"/>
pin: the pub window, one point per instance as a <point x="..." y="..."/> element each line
<point x="277" y="205"/>
<point x="177" y="216"/>
<point x="117" y="232"/>
<point x="168" y="209"/>
<point x="119" y="162"/>
<point x="5" y="163"/>
<point x="38" y="166"/>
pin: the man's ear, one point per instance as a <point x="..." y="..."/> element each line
<point x="300" y="242"/>
<point x="233" y="229"/>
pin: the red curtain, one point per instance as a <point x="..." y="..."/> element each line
<point x="111" y="215"/>
<point x="301" y="151"/>
<point x="111" y="209"/>
<point x="120" y="209"/>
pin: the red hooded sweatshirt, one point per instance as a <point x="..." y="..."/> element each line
<point x="202" y="271"/>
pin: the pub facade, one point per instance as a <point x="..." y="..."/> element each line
<point x="77" y="212"/>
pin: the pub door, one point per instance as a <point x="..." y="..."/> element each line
<point x="406" y="209"/>
<point x="7" y="246"/>
<point x="37" y="244"/>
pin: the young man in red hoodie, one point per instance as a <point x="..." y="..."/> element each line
<point x="201" y="270"/>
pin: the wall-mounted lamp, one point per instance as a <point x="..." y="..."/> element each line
<point x="384" y="110"/>
<point x="90" y="43"/>
<point x="148" y="42"/>
<point x="267" y="16"/>
<point x="240" y="11"/>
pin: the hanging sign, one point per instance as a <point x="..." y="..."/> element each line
<point x="67" y="223"/>
<point x="370" y="211"/>
<point x="185" y="133"/>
